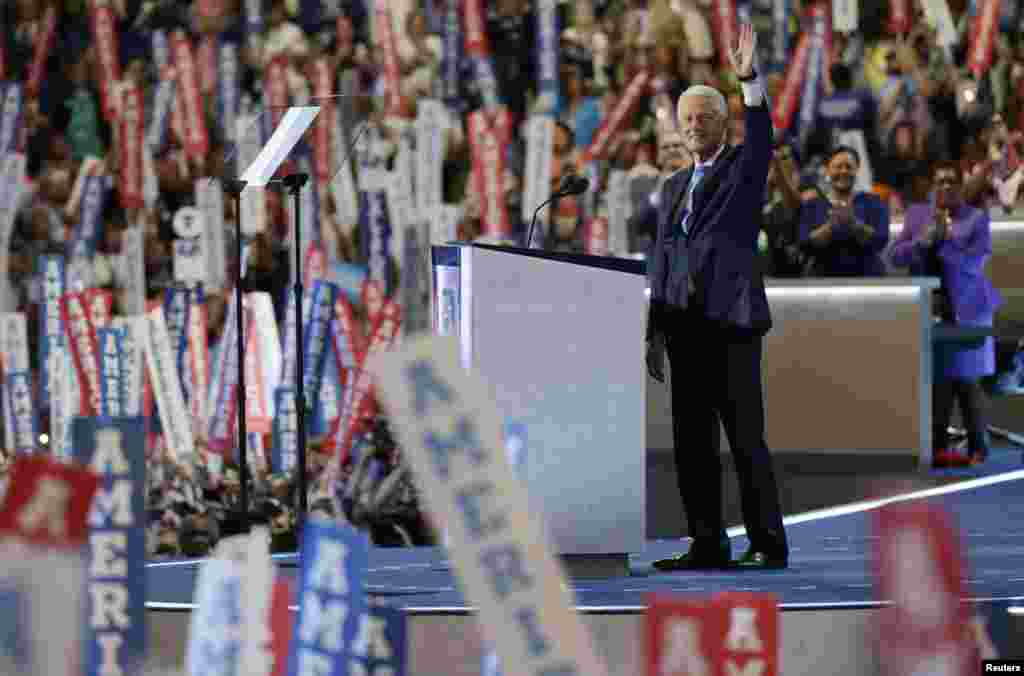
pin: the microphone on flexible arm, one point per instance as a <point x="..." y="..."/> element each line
<point x="572" y="184"/>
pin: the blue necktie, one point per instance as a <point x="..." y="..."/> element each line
<point x="698" y="174"/>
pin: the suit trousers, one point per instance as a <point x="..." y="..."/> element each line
<point x="969" y="396"/>
<point x="716" y="376"/>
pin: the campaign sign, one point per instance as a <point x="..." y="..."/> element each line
<point x="112" y="387"/>
<point x="380" y="644"/>
<point x="680" y="636"/>
<point x="285" y="430"/>
<point x="51" y="334"/>
<point x="448" y="425"/>
<point x="332" y="600"/>
<point x="920" y="571"/>
<point x="115" y="626"/>
<point x="23" y="412"/>
<point x="215" y="635"/>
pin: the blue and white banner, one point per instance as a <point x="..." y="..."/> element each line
<point x="217" y="627"/>
<point x="317" y="334"/>
<point x="14" y="348"/>
<point x="115" y="628"/>
<point x="330" y="395"/>
<point x="375" y="233"/>
<point x="160" y="122"/>
<point x="451" y="432"/>
<point x="177" y="307"/>
<point x="12" y="183"/>
<point x="174" y="418"/>
<point x="451" y="62"/>
<point x="10" y="116"/>
<point x="487" y="81"/>
<point x="332" y="600"/>
<point x="380" y="648"/>
<point x="50" y="269"/>
<point x="111" y="372"/>
<point x="223" y="381"/>
<point x="25" y="432"/>
<point x="132" y="363"/>
<point x="63" y="402"/>
<point x="285" y="430"/>
<point x="547" y="57"/>
<point x="229" y="89"/>
<point x="288" y="352"/>
<point x="88" y="233"/>
<point x="814" y="80"/>
<point x="620" y="208"/>
<point x="161" y="49"/>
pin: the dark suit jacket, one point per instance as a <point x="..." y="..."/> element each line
<point x="719" y="253"/>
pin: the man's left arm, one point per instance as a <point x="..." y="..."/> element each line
<point x="757" y="145"/>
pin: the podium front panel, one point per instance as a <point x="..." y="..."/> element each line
<point x="561" y="345"/>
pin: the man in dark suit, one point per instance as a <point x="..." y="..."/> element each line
<point x="709" y="312"/>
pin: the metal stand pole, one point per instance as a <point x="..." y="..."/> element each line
<point x="294" y="183"/>
<point x="234" y="187"/>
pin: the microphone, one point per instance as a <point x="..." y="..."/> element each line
<point x="571" y="184"/>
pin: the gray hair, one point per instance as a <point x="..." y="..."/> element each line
<point x="706" y="92"/>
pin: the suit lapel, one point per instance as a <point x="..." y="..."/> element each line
<point x="676" y="194"/>
<point x="709" y="185"/>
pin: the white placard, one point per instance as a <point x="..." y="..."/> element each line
<point x="845" y="15"/>
<point x="430" y="150"/>
<point x="937" y="14"/>
<point x="133" y="270"/>
<point x="61" y="373"/>
<point x="14" y="341"/>
<point x="12" y="175"/>
<point x="163" y="376"/>
<point x="620" y="208"/>
<point x="444" y="224"/>
<point x="447" y="423"/>
<point x="262" y="306"/>
<point x="209" y="195"/>
<point x="540" y="140"/>
<point x="343" y="185"/>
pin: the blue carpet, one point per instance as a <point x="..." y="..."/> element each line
<point x="829" y="562"/>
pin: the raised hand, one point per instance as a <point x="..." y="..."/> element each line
<point x="741" y="55"/>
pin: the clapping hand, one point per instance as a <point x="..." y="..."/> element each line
<point x="741" y="55"/>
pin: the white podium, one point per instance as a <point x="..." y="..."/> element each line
<point x="560" y="340"/>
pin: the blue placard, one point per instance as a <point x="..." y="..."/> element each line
<point x="51" y="271"/>
<point x="375" y="234"/>
<point x="317" y="339"/>
<point x="381" y="648"/>
<point x="114" y="628"/>
<point x="285" y="430"/>
<point x="332" y="599"/>
<point x="23" y="412"/>
<point x="112" y="381"/>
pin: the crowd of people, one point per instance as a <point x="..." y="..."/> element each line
<point x="896" y="112"/>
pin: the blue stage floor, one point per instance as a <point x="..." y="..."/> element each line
<point x="829" y="560"/>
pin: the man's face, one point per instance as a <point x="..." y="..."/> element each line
<point x="702" y="123"/>
<point x="947" y="188"/>
<point x="842" y="170"/>
<point x="670" y="152"/>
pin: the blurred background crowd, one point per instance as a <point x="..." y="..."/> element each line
<point x="905" y="98"/>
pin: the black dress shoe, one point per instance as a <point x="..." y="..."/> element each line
<point x="700" y="557"/>
<point x="757" y="560"/>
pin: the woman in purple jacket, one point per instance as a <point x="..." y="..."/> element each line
<point x="950" y="240"/>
